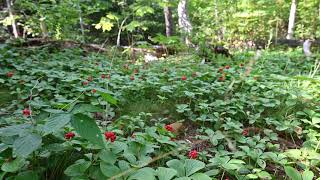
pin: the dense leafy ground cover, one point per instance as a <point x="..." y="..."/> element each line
<point x="89" y="116"/>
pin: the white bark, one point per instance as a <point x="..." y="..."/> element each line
<point x="81" y="20"/>
<point x="43" y="28"/>
<point x="184" y="22"/>
<point x="292" y="17"/>
<point x="13" y="23"/>
<point x="306" y="48"/>
<point x="120" y="30"/>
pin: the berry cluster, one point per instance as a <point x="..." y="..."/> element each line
<point x="110" y="136"/>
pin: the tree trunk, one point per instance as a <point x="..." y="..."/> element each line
<point x="13" y="21"/>
<point x="120" y="30"/>
<point x="184" y="22"/>
<point x="306" y="48"/>
<point x="81" y="21"/>
<point x="43" y="28"/>
<point x="292" y="19"/>
<point x="168" y="20"/>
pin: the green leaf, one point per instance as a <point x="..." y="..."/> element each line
<point x="29" y="175"/>
<point x="252" y="176"/>
<point x="13" y="166"/>
<point x="123" y="165"/>
<point x="142" y="10"/>
<point x="133" y="25"/>
<point x="183" y="178"/>
<point x="315" y="120"/>
<point x="230" y="166"/>
<point x="3" y="147"/>
<point x="292" y="173"/>
<point x="84" y="108"/>
<point x="87" y="128"/>
<point x="193" y="166"/>
<point x="107" y="156"/>
<point x="25" y="145"/>
<point x="112" y="16"/>
<point x="144" y="173"/>
<point x="200" y="176"/>
<point x="56" y="122"/>
<point x="165" y="173"/>
<point x="293" y="153"/>
<point x="307" y="175"/>
<point x="233" y="164"/>
<point x="261" y="163"/>
<point x="109" y="170"/>
<point x="264" y="175"/>
<point x="212" y="172"/>
<point x="107" y="97"/>
<point x="178" y="166"/>
<point x="78" y="169"/>
<point x="14" y="130"/>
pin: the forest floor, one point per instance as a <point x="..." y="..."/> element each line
<point x="226" y="119"/>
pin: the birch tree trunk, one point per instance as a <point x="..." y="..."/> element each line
<point x="13" y="21"/>
<point x="43" y="28"/>
<point x="81" y="21"/>
<point x="168" y="20"/>
<point x="120" y="30"/>
<point x="292" y="19"/>
<point x="306" y="48"/>
<point x="184" y="22"/>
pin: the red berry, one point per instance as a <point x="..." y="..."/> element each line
<point x="113" y="138"/>
<point x="183" y="78"/>
<point x="220" y="69"/>
<point x="169" y="128"/>
<point x="131" y="78"/>
<point x="227" y="178"/>
<point x="245" y="132"/>
<point x="110" y="136"/>
<point x="69" y="135"/>
<point x="103" y="76"/>
<point x="227" y="67"/>
<point x="85" y="83"/>
<point x="9" y="74"/>
<point x="193" y="154"/>
<point x="136" y="71"/>
<point x="94" y="90"/>
<point x="26" y="112"/>
<point x="241" y="65"/>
